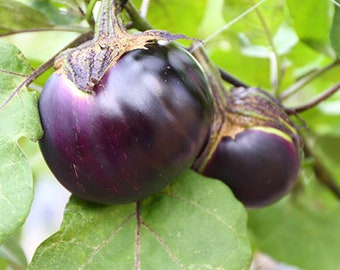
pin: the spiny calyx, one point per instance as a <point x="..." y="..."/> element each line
<point x="111" y="41"/>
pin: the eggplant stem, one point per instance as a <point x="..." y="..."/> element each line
<point x="107" y="23"/>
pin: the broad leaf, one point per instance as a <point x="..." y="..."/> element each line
<point x="260" y="24"/>
<point x="176" y="16"/>
<point x="18" y="118"/>
<point x="302" y="231"/>
<point x="196" y="223"/>
<point x="213" y="9"/>
<point x="312" y="23"/>
<point x="284" y="40"/>
<point x="16" y="17"/>
<point x="335" y="31"/>
<point x="60" y="12"/>
<point x="329" y="151"/>
<point x="247" y="39"/>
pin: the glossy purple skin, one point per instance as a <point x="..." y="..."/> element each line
<point x="145" y="124"/>
<point x="259" y="167"/>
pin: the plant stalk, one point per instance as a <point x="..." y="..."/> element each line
<point x="138" y="21"/>
<point x="316" y="101"/>
<point x="307" y="79"/>
<point x="89" y="12"/>
<point x="227" y="77"/>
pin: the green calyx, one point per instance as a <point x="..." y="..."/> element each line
<point x="274" y="131"/>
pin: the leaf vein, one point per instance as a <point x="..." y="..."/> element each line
<point x="164" y="244"/>
<point x="201" y="207"/>
<point x="9" y="72"/>
<point x="97" y="249"/>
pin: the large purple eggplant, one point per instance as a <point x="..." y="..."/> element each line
<point x="123" y="115"/>
<point x="142" y="125"/>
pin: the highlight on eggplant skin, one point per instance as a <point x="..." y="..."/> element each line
<point x="143" y="124"/>
<point x="254" y="148"/>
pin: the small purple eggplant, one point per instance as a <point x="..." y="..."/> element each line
<point x="254" y="147"/>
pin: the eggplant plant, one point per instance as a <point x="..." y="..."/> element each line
<point x="191" y="135"/>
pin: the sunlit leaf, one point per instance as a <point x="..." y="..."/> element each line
<point x="335" y="31"/>
<point x="312" y="22"/>
<point x="176" y="16"/>
<point x="25" y="17"/>
<point x="214" y="9"/>
<point x="259" y="24"/>
<point x="60" y="12"/>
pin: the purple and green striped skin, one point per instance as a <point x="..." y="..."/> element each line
<point x="143" y="124"/>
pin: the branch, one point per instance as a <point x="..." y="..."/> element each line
<point x="306" y="79"/>
<point x="316" y="101"/>
<point x="226" y="76"/>
<point x="77" y="29"/>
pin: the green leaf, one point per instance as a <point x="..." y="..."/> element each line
<point x="259" y="25"/>
<point x="301" y="230"/>
<point x="284" y="40"/>
<point x="335" y="31"/>
<point x="25" y="17"/>
<point x="12" y="254"/>
<point x="176" y="16"/>
<point x="247" y="42"/>
<point x="326" y="150"/>
<point x="58" y="11"/>
<point x="214" y="9"/>
<point x="312" y="23"/>
<point x="196" y="223"/>
<point x="18" y="118"/>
